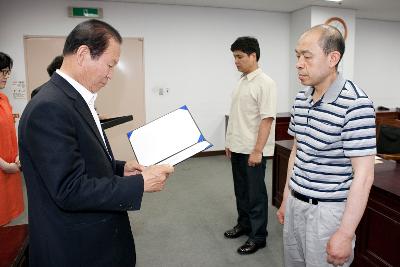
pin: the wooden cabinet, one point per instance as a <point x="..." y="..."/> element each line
<point x="279" y="170"/>
<point x="281" y="126"/>
<point x="390" y="114"/>
<point x="378" y="233"/>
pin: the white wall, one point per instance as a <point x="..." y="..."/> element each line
<point x="377" y="61"/>
<point x="187" y="49"/>
<point x="300" y="20"/>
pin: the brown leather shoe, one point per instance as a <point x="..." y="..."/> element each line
<point x="250" y="247"/>
<point x="235" y="232"/>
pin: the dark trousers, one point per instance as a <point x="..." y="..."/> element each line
<point x="251" y="196"/>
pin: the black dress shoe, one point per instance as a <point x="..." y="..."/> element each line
<point x="250" y="247"/>
<point x="235" y="232"/>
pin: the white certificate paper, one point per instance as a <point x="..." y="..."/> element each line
<point x="169" y="139"/>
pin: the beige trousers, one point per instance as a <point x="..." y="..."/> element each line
<point x="307" y="230"/>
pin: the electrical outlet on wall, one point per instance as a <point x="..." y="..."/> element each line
<point x="162" y="91"/>
<point x="18" y="89"/>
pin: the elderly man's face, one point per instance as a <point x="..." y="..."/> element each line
<point x="313" y="65"/>
<point x="100" y="70"/>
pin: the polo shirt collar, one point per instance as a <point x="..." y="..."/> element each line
<point x="333" y="91"/>
<point x="88" y="96"/>
<point x="250" y="76"/>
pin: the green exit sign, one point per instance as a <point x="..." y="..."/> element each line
<point x="85" y="12"/>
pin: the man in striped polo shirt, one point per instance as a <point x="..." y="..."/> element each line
<point x="331" y="166"/>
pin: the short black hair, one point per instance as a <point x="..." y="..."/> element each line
<point x="331" y="39"/>
<point x="247" y="45"/>
<point x="93" y="33"/>
<point x="5" y="61"/>
<point x="55" y="64"/>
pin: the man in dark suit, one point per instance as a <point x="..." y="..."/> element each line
<point x="78" y="193"/>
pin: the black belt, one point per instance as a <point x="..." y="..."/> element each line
<point x="313" y="200"/>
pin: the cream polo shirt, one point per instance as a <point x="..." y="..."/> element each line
<point x="89" y="98"/>
<point x="254" y="99"/>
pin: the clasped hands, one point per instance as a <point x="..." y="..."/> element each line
<point x="154" y="176"/>
<point x="12" y="167"/>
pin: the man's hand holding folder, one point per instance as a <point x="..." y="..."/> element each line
<point x="154" y="176"/>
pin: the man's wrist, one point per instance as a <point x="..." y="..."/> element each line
<point x="256" y="151"/>
<point x="348" y="234"/>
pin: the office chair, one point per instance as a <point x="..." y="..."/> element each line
<point x="388" y="139"/>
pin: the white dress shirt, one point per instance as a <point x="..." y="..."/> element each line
<point x="89" y="98"/>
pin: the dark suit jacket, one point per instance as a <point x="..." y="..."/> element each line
<point x="77" y="198"/>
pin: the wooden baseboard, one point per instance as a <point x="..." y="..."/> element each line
<point x="215" y="153"/>
<point x="210" y="153"/>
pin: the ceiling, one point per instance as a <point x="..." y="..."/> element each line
<point x="370" y="9"/>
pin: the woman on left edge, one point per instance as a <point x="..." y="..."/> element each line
<point x="11" y="198"/>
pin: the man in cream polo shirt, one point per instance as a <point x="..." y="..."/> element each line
<point x="250" y="139"/>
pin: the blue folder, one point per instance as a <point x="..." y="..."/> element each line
<point x="169" y="139"/>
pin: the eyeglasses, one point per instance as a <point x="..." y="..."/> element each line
<point x="6" y="72"/>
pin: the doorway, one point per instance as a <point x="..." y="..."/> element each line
<point x="123" y="95"/>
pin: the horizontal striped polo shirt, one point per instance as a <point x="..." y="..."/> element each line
<point x="329" y="132"/>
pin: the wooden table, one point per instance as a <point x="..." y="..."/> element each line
<point x="14" y="246"/>
<point x="378" y="234"/>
